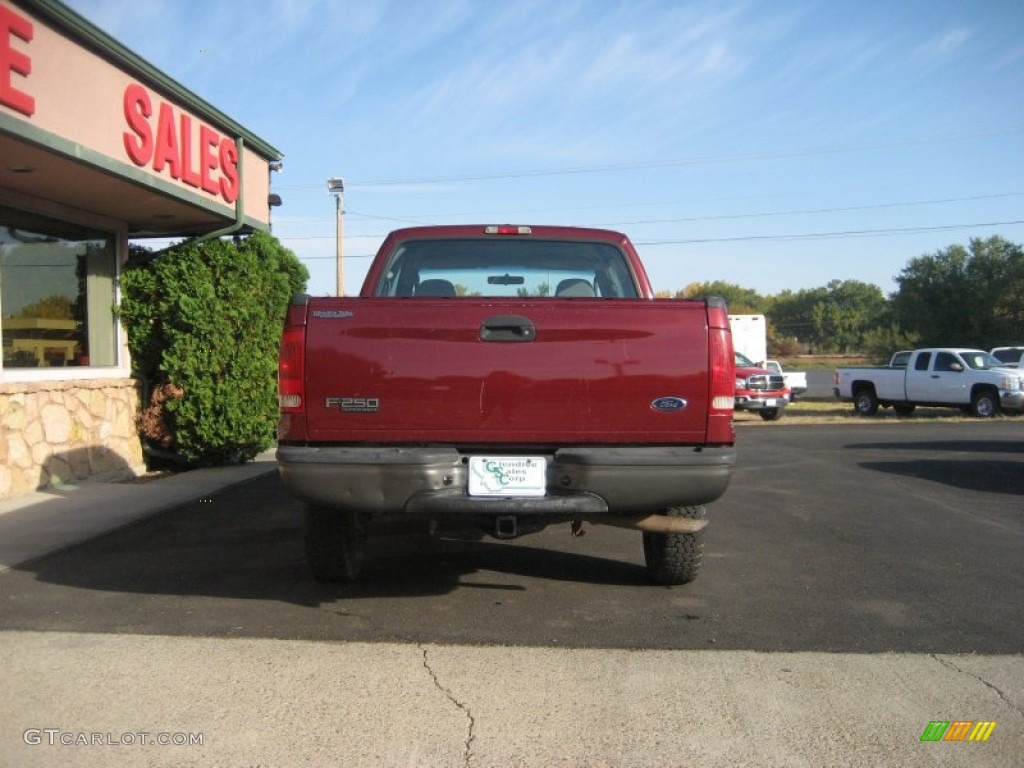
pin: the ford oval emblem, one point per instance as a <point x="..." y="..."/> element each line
<point x="668" y="404"/>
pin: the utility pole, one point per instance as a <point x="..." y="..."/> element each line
<point x="336" y="186"/>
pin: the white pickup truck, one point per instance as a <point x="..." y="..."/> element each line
<point x="1011" y="357"/>
<point x="796" y="381"/>
<point x="958" y="378"/>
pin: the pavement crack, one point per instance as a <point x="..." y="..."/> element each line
<point x="950" y="665"/>
<point x="470" y="735"/>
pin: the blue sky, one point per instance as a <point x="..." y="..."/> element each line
<point x="775" y="145"/>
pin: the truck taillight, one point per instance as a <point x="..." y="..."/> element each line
<point x="722" y="363"/>
<point x="291" y="370"/>
<point x="723" y="372"/>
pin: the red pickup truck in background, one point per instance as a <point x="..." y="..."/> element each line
<point x="509" y="378"/>
<point x="760" y="389"/>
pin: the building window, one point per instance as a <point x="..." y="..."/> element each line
<point x="56" y="293"/>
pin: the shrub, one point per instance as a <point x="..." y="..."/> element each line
<point x="787" y="347"/>
<point x="204" y="321"/>
<point x="880" y="343"/>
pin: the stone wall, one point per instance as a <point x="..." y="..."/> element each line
<point x="54" y="433"/>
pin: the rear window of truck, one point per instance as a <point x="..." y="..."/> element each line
<point x="517" y="268"/>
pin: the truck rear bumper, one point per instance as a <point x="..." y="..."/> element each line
<point x="582" y="481"/>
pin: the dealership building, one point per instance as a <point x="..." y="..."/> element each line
<point x="97" y="148"/>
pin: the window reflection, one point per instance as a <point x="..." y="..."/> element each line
<point x="56" y="293"/>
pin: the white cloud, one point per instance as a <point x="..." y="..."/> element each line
<point x="945" y="44"/>
<point x="556" y="87"/>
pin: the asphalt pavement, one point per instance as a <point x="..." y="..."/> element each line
<point x="55" y="518"/>
<point x="94" y="698"/>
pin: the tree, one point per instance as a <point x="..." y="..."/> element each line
<point x="995" y="273"/>
<point x="204" y="322"/>
<point x="791" y="315"/>
<point x="960" y="296"/>
<point x="850" y="310"/>
<point x="741" y="301"/>
<point x="835" y="317"/>
<point x="544" y="289"/>
<point x="55" y="307"/>
<point x="881" y="342"/>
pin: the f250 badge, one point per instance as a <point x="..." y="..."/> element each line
<point x="353" y="404"/>
<point x="332" y="314"/>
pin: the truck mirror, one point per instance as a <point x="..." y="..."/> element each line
<point x="506" y="279"/>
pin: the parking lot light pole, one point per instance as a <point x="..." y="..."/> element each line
<point x="336" y="186"/>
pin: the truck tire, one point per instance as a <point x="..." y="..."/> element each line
<point x="985" y="403"/>
<point x="864" y="401"/>
<point x="771" y="414"/>
<point x="335" y="543"/>
<point x="675" y="558"/>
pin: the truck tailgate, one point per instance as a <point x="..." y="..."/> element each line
<point x="538" y="371"/>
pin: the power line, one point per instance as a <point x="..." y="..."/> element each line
<point x="676" y="162"/>
<point x="692" y="219"/>
<point x="830" y="235"/>
<point x="758" y="238"/>
<point x="848" y="209"/>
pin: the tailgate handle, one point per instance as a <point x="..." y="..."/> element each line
<point x="507" y="328"/>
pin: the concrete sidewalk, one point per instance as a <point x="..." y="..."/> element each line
<point x="107" y="700"/>
<point x="52" y="519"/>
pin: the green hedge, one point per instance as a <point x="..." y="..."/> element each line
<point x="204" y="321"/>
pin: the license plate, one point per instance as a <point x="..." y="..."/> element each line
<point x="507" y="475"/>
<point x="771" y="402"/>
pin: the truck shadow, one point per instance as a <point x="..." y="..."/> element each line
<point x="244" y="546"/>
<point x="1002" y="477"/>
<point x="956" y="446"/>
<point x="401" y="565"/>
<point x="969" y="471"/>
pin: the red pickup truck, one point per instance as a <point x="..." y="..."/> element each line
<point x="506" y="377"/>
<point x="760" y="389"/>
